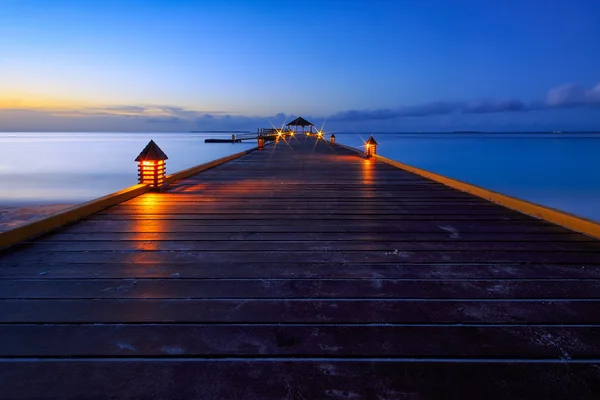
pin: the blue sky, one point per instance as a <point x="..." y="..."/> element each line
<point x="424" y="65"/>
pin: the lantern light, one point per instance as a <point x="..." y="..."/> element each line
<point x="261" y="143"/>
<point x="152" y="166"/>
<point x="332" y="139"/>
<point x="370" y="147"/>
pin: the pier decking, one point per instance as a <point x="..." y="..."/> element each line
<point x="302" y="271"/>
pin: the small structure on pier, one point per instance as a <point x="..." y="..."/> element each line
<point x="151" y="166"/>
<point x="370" y="147"/>
<point x="300" y="122"/>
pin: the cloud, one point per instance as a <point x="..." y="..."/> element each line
<point x="164" y="120"/>
<point x="169" y="118"/>
<point x="144" y="111"/>
<point x="493" y="106"/>
<point x="131" y="119"/>
<point x="570" y="95"/>
<point x="573" y="95"/>
<point x="436" y="108"/>
<point x="122" y="108"/>
<point x="433" y="109"/>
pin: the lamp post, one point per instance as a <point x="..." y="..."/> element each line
<point x="261" y="142"/>
<point x="370" y="147"/>
<point x="152" y="166"/>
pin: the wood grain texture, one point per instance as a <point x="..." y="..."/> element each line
<point x="302" y="263"/>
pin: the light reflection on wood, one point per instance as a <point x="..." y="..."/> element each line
<point x="146" y="234"/>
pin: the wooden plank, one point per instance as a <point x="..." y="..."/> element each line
<point x="249" y="194"/>
<point x="332" y="236"/>
<point x="284" y="288"/>
<point x="363" y="226"/>
<point x="298" y="270"/>
<point x="312" y="245"/>
<point x="287" y="379"/>
<point x="442" y="218"/>
<point x="19" y="255"/>
<point x="418" y="341"/>
<point x="317" y="209"/>
<point x="300" y="311"/>
<point x="183" y="201"/>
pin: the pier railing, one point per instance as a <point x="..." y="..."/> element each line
<point x="246" y="136"/>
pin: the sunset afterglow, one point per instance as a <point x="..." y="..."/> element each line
<point x="386" y="65"/>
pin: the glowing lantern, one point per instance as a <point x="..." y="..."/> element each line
<point x="261" y="142"/>
<point x="151" y="167"/>
<point x="370" y="147"/>
<point x="332" y="139"/>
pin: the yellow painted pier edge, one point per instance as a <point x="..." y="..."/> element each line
<point x="567" y="220"/>
<point x="72" y="214"/>
<point x="48" y="223"/>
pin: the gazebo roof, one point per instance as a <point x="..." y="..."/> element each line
<point x="300" y="122"/>
<point x="152" y="153"/>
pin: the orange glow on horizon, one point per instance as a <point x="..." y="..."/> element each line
<point x="71" y="107"/>
<point x="39" y="102"/>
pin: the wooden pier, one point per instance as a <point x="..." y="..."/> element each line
<point x="302" y="271"/>
<point x="269" y="134"/>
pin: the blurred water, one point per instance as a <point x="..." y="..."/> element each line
<point x="557" y="170"/>
<point x="46" y="168"/>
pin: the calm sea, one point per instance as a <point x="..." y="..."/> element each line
<point x="557" y="170"/>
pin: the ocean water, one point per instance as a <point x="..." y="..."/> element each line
<point x="48" y="168"/>
<point x="556" y="170"/>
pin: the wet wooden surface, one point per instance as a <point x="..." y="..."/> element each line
<point x="305" y="272"/>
